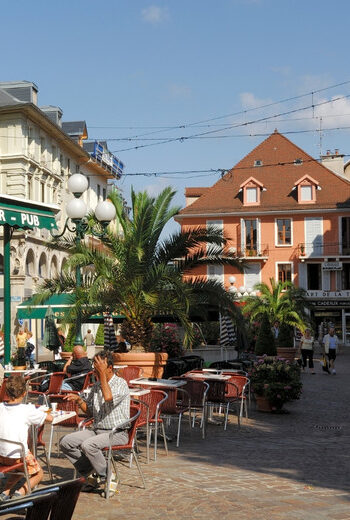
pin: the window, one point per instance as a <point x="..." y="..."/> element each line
<point x="42" y="266"/>
<point x="30" y="188"/>
<point x="298" y="161"/>
<point x="98" y="192"/>
<point x="251" y="242"/>
<point x="258" y="162"/>
<point x="306" y="193"/>
<point x="345" y="235"/>
<point x="314" y="277"/>
<point x="346" y="277"/>
<point x="216" y="273"/>
<point x="104" y="193"/>
<point x="30" y="263"/>
<point x="251" y="195"/>
<point x="284" y="272"/>
<point x="42" y="192"/>
<point x="284" y="232"/>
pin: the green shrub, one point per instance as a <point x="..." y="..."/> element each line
<point x="265" y="343"/>
<point x="100" y="335"/>
<point x="285" y="336"/>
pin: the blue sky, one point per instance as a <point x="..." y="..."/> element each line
<point x="130" y="67"/>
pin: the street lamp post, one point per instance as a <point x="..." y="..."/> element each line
<point x="76" y="210"/>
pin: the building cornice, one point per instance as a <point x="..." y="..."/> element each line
<point x="260" y="213"/>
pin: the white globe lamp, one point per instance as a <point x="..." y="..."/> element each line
<point x="232" y="279"/>
<point x="76" y="209"/>
<point x="77" y="184"/>
<point x="242" y="289"/>
<point x="105" y="211"/>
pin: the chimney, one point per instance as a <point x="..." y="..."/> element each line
<point x="334" y="161"/>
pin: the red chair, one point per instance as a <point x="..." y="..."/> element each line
<point x="3" y="394"/>
<point x="197" y="390"/>
<point x="243" y="385"/>
<point x="55" y="383"/>
<point x="150" y="408"/>
<point x="175" y="406"/>
<point x="88" y="381"/>
<point x="132" y="424"/>
<point x="223" y="394"/>
<point x="129" y="373"/>
<point x="17" y="467"/>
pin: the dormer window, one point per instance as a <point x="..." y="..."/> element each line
<point x="258" y="162"/>
<point x="298" y="161"/>
<point x="251" y="191"/>
<point x="307" y="187"/>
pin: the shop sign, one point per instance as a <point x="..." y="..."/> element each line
<point x="328" y="294"/>
<point x="332" y="266"/>
<point x="328" y="303"/>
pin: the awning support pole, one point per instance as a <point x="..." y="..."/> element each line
<point x="7" y="293"/>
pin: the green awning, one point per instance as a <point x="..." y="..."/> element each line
<point x="25" y="215"/>
<point x="59" y="303"/>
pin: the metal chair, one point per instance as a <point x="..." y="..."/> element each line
<point x="40" y="443"/>
<point x="150" y="408"/>
<point x="55" y="383"/>
<point x="176" y="405"/>
<point x="132" y="424"/>
<point x="243" y="384"/>
<point x="37" y="507"/>
<point x="88" y="380"/>
<point x="17" y="467"/>
<point x="197" y="391"/>
<point x="223" y="394"/>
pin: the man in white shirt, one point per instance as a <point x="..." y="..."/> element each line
<point x="330" y="347"/>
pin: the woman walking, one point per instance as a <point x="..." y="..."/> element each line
<point x="307" y="350"/>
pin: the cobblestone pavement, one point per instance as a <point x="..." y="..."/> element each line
<point x="291" y="466"/>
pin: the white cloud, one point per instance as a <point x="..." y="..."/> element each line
<point x="154" y="14"/>
<point x="155" y="189"/>
<point x="249" y="100"/>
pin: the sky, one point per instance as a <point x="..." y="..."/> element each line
<point x="195" y="73"/>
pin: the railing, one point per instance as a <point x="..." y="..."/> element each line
<point x="261" y="251"/>
<point x="326" y="249"/>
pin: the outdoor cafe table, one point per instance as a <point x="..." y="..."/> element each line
<point x="26" y="372"/>
<point x="58" y="417"/>
<point x="208" y="376"/>
<point x="157" y="383"/>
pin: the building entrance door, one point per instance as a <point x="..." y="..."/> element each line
<point x="347" y="329"/>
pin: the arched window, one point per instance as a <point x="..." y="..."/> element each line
<point x="64" y="261"/>
<point x="43" y="266"/>
<point x="30" y="263"/>
<point x="53" y="269"/>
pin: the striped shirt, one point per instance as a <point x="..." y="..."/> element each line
<point x="109" y="414"/>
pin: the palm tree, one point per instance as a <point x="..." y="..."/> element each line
<point x="135" y="273"/>
<point x="281" y="301"/>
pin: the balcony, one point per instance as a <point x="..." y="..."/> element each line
<point x="323" y="250"/>
<point x="249" y="253"/>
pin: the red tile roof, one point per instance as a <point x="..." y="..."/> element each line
<point x="278" y="174"/>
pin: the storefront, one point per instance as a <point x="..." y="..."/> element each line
<point x="331" y="308"/>
<point x="15" y="214"/>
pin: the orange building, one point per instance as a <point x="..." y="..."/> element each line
<point x="288" y="217"/>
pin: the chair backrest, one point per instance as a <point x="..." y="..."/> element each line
<point x="88" y="381"/>
<point x="3" y="395"/>
<point x="216" y="391"/>
<point x="151" y="403"/>
<point x="55" y="383"/>
<point x="129" y="373"/>
<point x="68" y="493"/>
<point x="38" y="507"/>
<point x="239" y="381"/>
<point x="197" y="391"/>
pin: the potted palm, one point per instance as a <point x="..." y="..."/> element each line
<point x="275" y="382"/>
<point x="136" y="274"/>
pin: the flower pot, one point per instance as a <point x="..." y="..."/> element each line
<point x="20" y="367"/>
<point x="152" y="363"/>
<point x="286" y="353"/>
<point x="263" y="404"/>
<point x="65" y="355"/>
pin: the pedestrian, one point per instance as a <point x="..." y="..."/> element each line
<point x="108" y="403"/>
<point x="15" y="420"/>
<point x="276" y="329"/>
<point x="89" y="339"/>
<point x="30" y="349"/>
<point x="122" y="345"/>
<point x="307" y="350"/>
<point x="330" y="347"/>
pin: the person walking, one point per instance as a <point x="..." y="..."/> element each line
<point x="89" y="338"/>
<point x="307" y="350"/>
<point x="330" y="347"/>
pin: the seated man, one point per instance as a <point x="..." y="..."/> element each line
<point x="109" y="404"/>
<point x="76" y="365"/>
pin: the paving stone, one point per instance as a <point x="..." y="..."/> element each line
<point x="291" y="466"/>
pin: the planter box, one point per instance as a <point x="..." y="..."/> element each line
<point x="152" y="363"/>
<point x="287" y="353"/>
